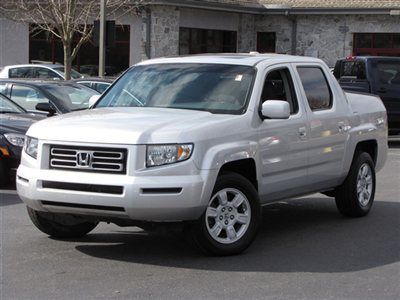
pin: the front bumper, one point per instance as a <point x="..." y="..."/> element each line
<point x="144" y="198"/>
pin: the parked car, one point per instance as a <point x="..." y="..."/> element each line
<point x="376" y="75"/>
<point x="206" y="141"/>
<point x="95" y="83"/>
<point x="14" y="122"/>
<point x="47" y="97"/>
<point x="93" y="70"/>
<point x="38" y="71"/>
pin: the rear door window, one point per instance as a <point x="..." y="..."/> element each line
<point x="316" y="87"/>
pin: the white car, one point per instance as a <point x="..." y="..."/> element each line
<point x="205" y="141"/>
<point x="40" y="71"/>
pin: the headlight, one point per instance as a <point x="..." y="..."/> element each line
<point x="15" y="139"/>
<point x="158" y="155"/>
<point x="31" y="146"/>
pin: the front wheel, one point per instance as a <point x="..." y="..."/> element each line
<point x="60" y="225"/>
<point x="354" y="198"/>
<point x="230" y="222"/>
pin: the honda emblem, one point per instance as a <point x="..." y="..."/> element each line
<point x="83" y="159"/>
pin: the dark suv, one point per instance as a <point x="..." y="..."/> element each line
<point x="375" y="75"/>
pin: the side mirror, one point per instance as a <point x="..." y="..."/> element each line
<point x="45" y="106"/>
<point x="93" y="100"/>
<point x="275" y="109"/>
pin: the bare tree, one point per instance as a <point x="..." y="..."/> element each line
<point x="66" y="19"/>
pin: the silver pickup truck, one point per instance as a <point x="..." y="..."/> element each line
<point x="204" y="141"/>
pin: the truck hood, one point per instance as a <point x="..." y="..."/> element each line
<point x="127" y="125"/>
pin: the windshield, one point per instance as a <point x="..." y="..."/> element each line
<point x="71" y="96"/>
<point x="6" y="106"/>
<point x="215" y="88"/>
<point x="74" y="74"/>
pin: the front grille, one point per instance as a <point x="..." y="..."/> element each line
<point x="90" y="159"/>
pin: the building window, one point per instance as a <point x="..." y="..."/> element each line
<point x="193" y="40"/>
<point x="44" y="47"/>
<point x="266" y="42"/>
<point x="377" y="44"/>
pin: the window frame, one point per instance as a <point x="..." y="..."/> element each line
<point x="331" y="96"/>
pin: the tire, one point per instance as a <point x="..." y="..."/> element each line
<point x="59" y="225"/>
<point x="228" y="227"/>
<point x="4" y="173"/>
<point x="354" y="198"/>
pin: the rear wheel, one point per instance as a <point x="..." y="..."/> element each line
<point x="354" y="198"/>
<point x="60" y="225"/>
<point x="230" y="222"/>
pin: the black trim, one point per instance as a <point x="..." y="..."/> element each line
<point x="87" y="206"/>
<point x="83" y="187"/>
<point x="161" y="190"/>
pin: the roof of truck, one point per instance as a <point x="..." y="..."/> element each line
<point x="245" y="59"/>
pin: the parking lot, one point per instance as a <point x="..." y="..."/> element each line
<point x="305" y="250"/>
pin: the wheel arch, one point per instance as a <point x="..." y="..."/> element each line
<point x="368" y="146"/>
<point x="244" y="167"/>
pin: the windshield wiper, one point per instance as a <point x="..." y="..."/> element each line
<point x="134" y="97"/>
<point x="9" y="112"/>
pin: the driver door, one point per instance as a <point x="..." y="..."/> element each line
<point x="283" y="143"/>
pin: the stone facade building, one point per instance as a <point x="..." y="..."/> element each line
<point x="326" y="29"/>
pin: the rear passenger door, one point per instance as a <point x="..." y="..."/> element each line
<point x="282" y="143"/>
<point x="328" y="125"/>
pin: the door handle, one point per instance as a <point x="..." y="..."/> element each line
<point x="382" y="90"/>
<point x="343" y="127"/>
<point x="302" y="132"/>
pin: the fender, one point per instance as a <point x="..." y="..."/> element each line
<point x="358" y="134"/>
<point x="218" y="155"/>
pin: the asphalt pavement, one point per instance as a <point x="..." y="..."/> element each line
<point x="305" y="250"/>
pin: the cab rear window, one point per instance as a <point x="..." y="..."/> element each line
<point x="352" y="69"/>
